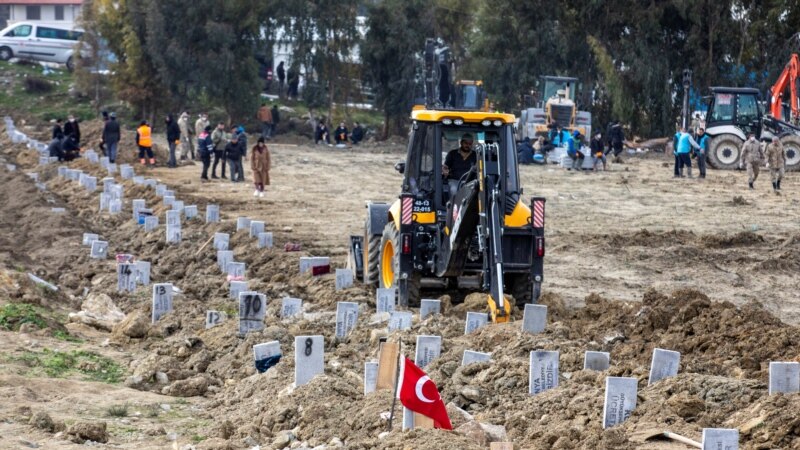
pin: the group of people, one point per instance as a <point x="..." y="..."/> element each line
<point x="753" y="156"/>
<point x="65" y="139"/>
<point x="686" y="147"/>
<point x="341" y="135"/>
<point x="558" y="136"/>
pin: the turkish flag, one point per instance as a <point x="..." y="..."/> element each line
<point x="419" y="394"/>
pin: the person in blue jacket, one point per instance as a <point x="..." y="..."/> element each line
<point x="573" y="144"/>
<point x="685" y="145"/>
<point x="675" y="139"/>
<point x="702" y="152"/>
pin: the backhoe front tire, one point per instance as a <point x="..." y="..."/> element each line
<point x="791" y="147"/>
<point x="408" y="290"/>
<point x="372" y="254"/>
<point x="725" y="152"/>
<point x="523" y="289"/>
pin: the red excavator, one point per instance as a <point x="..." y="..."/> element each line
<point x="788" y="78"/>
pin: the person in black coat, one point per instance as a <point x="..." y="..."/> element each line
<point x="525" y="151"/>
<point x="340" y="134"/>
<point x="111" y="136"/>
<point x="173" y="138"/>
<point x="58" y="133"/>
<point x="357" y="135"/>
<point x="281" y="76"/>
<point x="234" y="156"/>
<point x="70" y="148"/>
<point x="54" y="149"/>
<point x="71" y="128"/>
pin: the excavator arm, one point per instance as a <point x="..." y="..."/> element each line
<point x="788" y="78"/>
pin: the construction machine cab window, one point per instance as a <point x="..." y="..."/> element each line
<point x="558" y="88"/>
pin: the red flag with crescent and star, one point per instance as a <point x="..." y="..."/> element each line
<point x="419" y="394"/>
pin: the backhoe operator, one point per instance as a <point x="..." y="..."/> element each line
<point x="458" y="162"/>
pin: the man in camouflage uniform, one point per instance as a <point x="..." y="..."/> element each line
<point x="752" y="156"/>
<point x="776" y="163"/>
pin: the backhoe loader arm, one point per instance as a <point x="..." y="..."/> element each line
<point x="789" y="78"/>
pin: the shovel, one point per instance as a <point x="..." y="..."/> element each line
<point x="646" y="435"/>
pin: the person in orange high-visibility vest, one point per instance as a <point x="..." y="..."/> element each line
<point x="144" y="139"/>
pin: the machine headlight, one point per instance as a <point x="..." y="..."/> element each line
<point x="447" y="121"/>
<point x="498" y="123"/>
<point x="486" y="122"/>
<point x="458" y="121"/>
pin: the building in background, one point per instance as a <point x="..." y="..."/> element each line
<point x="61" y="12"/>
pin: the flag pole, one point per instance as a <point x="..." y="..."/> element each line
<point x="396" y="383"/>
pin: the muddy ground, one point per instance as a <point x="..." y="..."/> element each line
<point x="636" y="260"/>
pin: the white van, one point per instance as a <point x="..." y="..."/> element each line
<point x="39" y="42"/>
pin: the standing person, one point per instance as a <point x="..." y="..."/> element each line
<point x="685" y="144"/>
<point x="617" y="138"/>
<point x="321" y="133"/>
<point x="281" y="77"/>
<point x="776" y="163"/>
<point x="58" y="133"/>
<point x="675" y="139"/>
<point x="574" y="150"/>
<point x="200" y="124"/>
<point x="234" y="156"/>
<point x="71" y="128"/>
<point x="205" y="147"/>
<point x="173" y="139"/>
<point x="357" y="135"/>
<point x="187" y="148"/>
<point x="340" y="134"/>
<point x="242" y="142"/>
<point x="265" y="117"/>
<point x="694" y="129"/>
<point x="111" y="136"/>
<point x="144" y="139"/>
<point x="293" y="80"/>
<point x="598" y="153"/>
<point x="276" y="118"/>
<point x="703" y="141"/>
<point x="752" y="156"/>
<point x="260" y="163"/>
<point x="458" y="162"/>
<point x="220" y="139"/>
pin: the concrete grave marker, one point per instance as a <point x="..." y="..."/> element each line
<point x="169" y="193"/>
<point x="252" y="310"/>
<point x="136" y="206"/>
<point x="221" y="241"/>
<point x="107" y="183"/>
<point x="534" y="319"/>
<point x="99" y="250"/>
<point x="11" y="167"/>
<point x="265" y="240"/>
<point x="720" y="439"/>
<point x="161" y="189"/>
<point x="190" y="211"/>
<point x="620" y="400"/>
<point x="236" y="288"/>
<point x="214" y="318"/>
<point x="473" y="357"/>
<point x="126" y="171"/>
<point x="598" y="361"/>
<point x="346" y="318"/>
<point x="116" y="191"/>
<point x="309" y="262"/>
<point x="291" y="307"/>
<point x="663" y="364"/>
<point x="784" y="377"/>
<point x="44" y="160"/>
<point x="399" y="320"/>
<point x="35" y="176"/>
<point x="235" y="269"/>
<point x="223" y="258"/>
<point x="385" y="300"/>
<point x="58" y="210"/>
<point x="41" y="186"/>
<point x="150" y="223"/>
<point x="474" y="321"/>
<point x="162" y="300"/>
<point x="256" y="226"/>
<point x="370" y="376"/>
<point x="173" y="218"/>
<point x="212" y="213"/>
<point x="150" y="182"/>
<point x="104" y="161"/>
<point x="243" y="223"/>
<point x="88" y="238"/>
<point x="126" y="277"/>
<point x="309" y="358"/>
<point x="266" y="355"/>
<point x="115" y="206"/>
<point x="543" y="372"/>
<point x="105" y="199"/>
<point x="138" y="180"/>
<point x="428" y="349"/>
<point x="143" y="272"/>
<point x="91" y="184"/>
<point x="62" y="170"/>
<point x="177" y="205"/>
<point x="168" y="200"/>
<point x="344" y="279"/>
<point x="111" y="168"/>
<point x="428" y="306"/>
<point x="173" y="234"/>
<point x="143" y="214"/>
<point x="54" y="159"/>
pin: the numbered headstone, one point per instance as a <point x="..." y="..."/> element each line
<point x="11" y="167"/>
<point x="784" y="377"/>
<point x="474" y="321"/>
<point x="236" y="288"/>
<point x="138" y="180"/>
<point x="115" y="206"/>
<point x="177" y="205"/>
<point x="104" y="161"/>
<point x="150" y="223"/>
<point x="105" y="200"/>
<point x="190" y="211"/>
<point x="212" y="213"/>
<point x="399" y="320"/>
<point x="82" y="179"/>
<point x="173" y="218"/>
<point x="44" y="160"/>
<point x="428" y="349"/>
<point x="544" y="371"/>
<point x="62" y="170"/>
<point x="223" y="258"/>
<point x="136" y="206"/>
<point x="126" y="171"/>
<point x="291" y="307"/>
<point x="88" y="238"/>
<point x="173" y="234"/>
<point x="99" y="250"/>
<point x="107" y="183"/>
<point x="221" y="241"/>
<point x="93" y="157"/>
<point x="663" y="365"/>
<point x="111" y="168"/>
<point x="620" y="400"/>
<point x="162" y="300"/>
<point x="598" y="361"/>
<point x="265" y="240"/>
<point x="309" y="358"/>
<point x="35" y="176"/>
<point x="117" y="192"/>
<point x="168" y="200"/>
<point x="429" y="306"/>
<point x="534" y="318"/>
<point x="235" y="269"/>
<point x="144" y="213"/>
<point x="58" y="210"/>
<point x="161" y="189"/>
<point x="370" y="376"/>
<point x="307" y="263"/>
<point x="346" y="318"/>
<point x="385" y="299"/>
<point x="169" y="193"/>
<point x="256" y="226"/>
<point x="252" y="310"/>
<point x="344" y="279"/>
<point x="126" y="277"/>
<point x="473" y="357"/>
<point x="266" y="355"/>
<point x="150" y="182"/>
<point x="91" y="184"/>
<point x="143" y="272"/>
<point x="214" y="318"/>
<point x="720" y="439"/>
<point x="243" y="223"/>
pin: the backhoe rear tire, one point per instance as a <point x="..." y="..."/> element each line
<point x="372" y="254"/>
<point x="724" y="152"/>
<point x="521" y="287"/>
<point x="408" y="292"/>
<point x="791" y="147"/>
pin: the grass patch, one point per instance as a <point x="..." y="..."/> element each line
<point x="44" y="105"/>
<point x="117" y="411"/>
<point x="91" y="366"/>
<point x="198" y="438"/>
<point x="13" y="315"/>
<point x="62" y="335"/>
